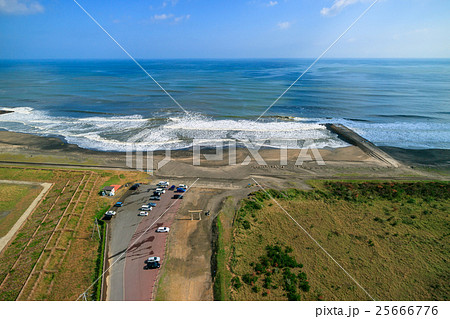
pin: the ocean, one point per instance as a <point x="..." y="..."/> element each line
<point x="108" y="105"/>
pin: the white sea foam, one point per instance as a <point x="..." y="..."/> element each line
<point x="20" y="110"/>
<point x="118" y="133"/>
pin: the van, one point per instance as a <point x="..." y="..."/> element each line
<point x="163" y="184"/>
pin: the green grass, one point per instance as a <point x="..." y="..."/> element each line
<point x="14" y="200"/>
<point x="222" y="279"/>
<point x="19" y="173"/>
<point x="10" y="157"/>
<point x="222" y="253"/>
<point x="99" y="264"/>
<point x="392" y="237"/>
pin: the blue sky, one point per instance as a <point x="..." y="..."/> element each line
<point x="47" y="29"/>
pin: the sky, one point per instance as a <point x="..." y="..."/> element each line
<point x="147" y="29"/>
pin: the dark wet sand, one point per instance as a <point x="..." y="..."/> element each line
<point x="346" y="162"/>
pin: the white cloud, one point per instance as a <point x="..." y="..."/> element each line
<point x="272" y="3"/>
<point x="284" y="25"/>
<point x="181" y="18"/>
<point x="170" y="17"/>
<point x="20" y="7"/>
<point x="337" y="7"/>
<point x="172" y="2"/>
<point x="162" y="16"/>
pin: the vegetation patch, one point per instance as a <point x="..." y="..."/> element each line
<point x="392" y="237"/>
<point x="27" y="271"/>
<point x="14" y="200"/>
<point x="277" y="268"/>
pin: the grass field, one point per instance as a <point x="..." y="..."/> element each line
<point x="39" y="262"/>
<point x="14" y="200"/>
<point x="393" y="238"/>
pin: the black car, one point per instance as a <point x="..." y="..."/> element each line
<point x="178" y="196"/>
<point x="155" y="193"/>
<point x="154" y="197"/>
<point x="153" y="265"/>
<point x="135" y="186"/>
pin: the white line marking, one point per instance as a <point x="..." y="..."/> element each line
<point x="120" y="256"/>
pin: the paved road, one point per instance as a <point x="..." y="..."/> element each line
<point x="138" y="280"/>
<point x="122" y="228"/>
<point x="126" y="227"/>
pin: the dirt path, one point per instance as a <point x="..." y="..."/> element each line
<point x="187" y="274"/>
<point x="45" y="187"/>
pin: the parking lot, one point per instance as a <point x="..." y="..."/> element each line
<point x="133" y="239"/>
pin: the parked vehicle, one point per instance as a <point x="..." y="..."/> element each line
<point x="152" y="204"/>
<point x="172" y="188"/>
<point x="181" y="190"/>
<point x="145" y="208"/>
<point x="163" y="184"/>
<point x="178" y="196"/>
<point x="143" y="213"/>
<point x="160" y="190"/>
<point x="153" y="259"/>
<point x="154" y="197"/>
<point x="163" y="230"/>
<point x="118" y="204"/>
<point x="135" y="186"/>
<point x="153" y="265"/>
<point x="182" y="186"/>
<point x="110" y="213"/>
<point x="157" y="193"/>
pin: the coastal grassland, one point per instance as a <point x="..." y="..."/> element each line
<point x="26" y="174"/>
<point x="54" y="255"/>
<point x="392" y="237"/>
<point x="14" y="200"/>
<point x="60" y="159"/>
<point x="223" y="230"/>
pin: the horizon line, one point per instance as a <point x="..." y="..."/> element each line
<point x="224" y="58"/>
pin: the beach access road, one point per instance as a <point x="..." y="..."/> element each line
<point x="131" y="242"/>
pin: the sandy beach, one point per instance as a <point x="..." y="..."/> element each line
<point x="32" y="145"/>
<point x="339" y="163"/>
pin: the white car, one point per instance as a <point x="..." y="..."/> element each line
<point x="163" y="184"/>
<point x="146" y="208"/>
<point x="182" y="186"/>
<point x="110" y="213"/>
<point x="163" y="230"/>
<point x="143" y="213"/>
<point x="152" y="259"/>
<point x="160" y="190"/>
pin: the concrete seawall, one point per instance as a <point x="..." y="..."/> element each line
<point x="366" y="146"/>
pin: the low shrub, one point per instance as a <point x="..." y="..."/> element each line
<point x="256" y="289"/>
<point x="249" y="279"/>
<point x="236" y="282"/>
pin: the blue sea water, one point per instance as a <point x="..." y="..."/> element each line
<point x="107" y="105"/>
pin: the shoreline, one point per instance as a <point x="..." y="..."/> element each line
<point x="31" y="145"/>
